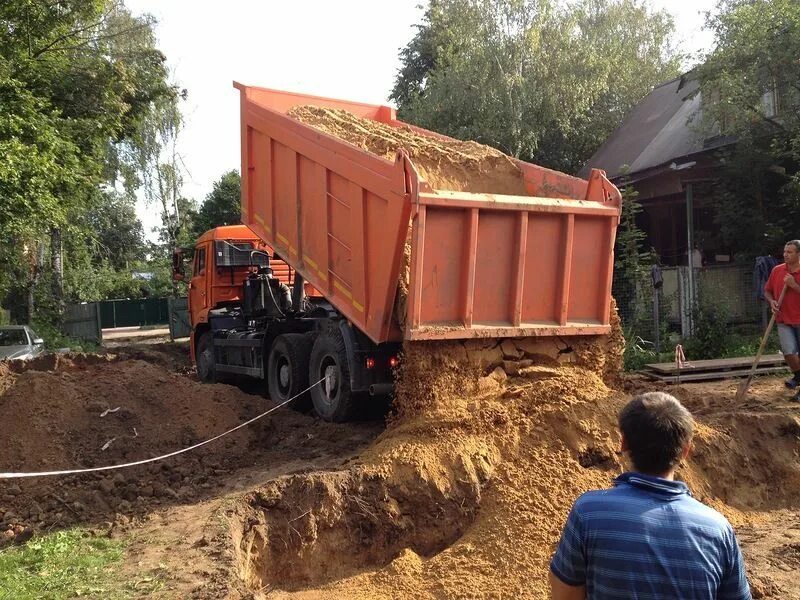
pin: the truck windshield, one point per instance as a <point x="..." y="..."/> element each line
<point x="238" y="254"/>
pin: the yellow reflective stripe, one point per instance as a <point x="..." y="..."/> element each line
<point x="343" y="289"/>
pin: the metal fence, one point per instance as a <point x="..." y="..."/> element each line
<point x="83" y="321"/>
<point x="131" y="313"/>
<point x="653" y="312"/>
<point x="180" y="325"/>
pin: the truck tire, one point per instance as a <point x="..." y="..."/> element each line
<point x="332" y="399"/>
<point x="205" y="358"/>
<point x="287" y="369"/>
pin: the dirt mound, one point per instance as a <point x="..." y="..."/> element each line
<point x="446" y="164"/>
<point x="465" y="493"/>
<point x="78" y="411"/>
<point x="465" y="490"/>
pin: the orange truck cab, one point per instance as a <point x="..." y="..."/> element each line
<point x="222" y="259"/>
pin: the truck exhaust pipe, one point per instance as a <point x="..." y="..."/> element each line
<point x="381" y="389"/>
<point x="298" y="292"/>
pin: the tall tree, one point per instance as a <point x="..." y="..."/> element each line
<point x="222" y="206"/>
<point x="539" y="79"/>
<point x="78" y="81"/>
<point x="751" y="92"/>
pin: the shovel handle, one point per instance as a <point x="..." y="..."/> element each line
<point x="742" y="390"/>
<point x="768" y="331"/>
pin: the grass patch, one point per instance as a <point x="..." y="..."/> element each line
<point x="64" y="564"/>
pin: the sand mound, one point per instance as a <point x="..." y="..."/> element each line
<point x="465" y="493"/>
<point x="444" y="163"/>
<point x="466" y="489"/>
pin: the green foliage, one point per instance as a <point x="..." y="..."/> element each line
<point x="752" y="71"/>
<point x="222" y="206"/>
<point x="81" y="84"/>
<point x="639" y="352"/>
<point x="711" y="330"/>
<point x="542" y="80"/>
<point x="54" y="338"/>
<point x="632" y="286"/>
<point x="64" y="564"/>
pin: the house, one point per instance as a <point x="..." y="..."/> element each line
<point x="672" y="166"/>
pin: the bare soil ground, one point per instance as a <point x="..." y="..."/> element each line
<point x="462" y="495"/>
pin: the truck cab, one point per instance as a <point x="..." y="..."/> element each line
<point x="253" y="315"/>
<point x="221" y="261"/>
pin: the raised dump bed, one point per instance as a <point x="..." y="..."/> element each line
<point x="480" y="264"/>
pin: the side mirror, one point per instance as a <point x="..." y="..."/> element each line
<point x="38" y="342"/>
<point x="178" y="271"/>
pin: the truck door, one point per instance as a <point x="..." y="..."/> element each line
<point x="198" y="297"/>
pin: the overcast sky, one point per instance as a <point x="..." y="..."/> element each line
<point x="343" y="49"/>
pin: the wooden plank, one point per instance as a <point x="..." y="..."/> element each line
<point x="712" y="375"/>
<point x="715" y="364"/>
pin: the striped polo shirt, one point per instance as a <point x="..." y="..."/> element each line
<point x="648" y="539"/>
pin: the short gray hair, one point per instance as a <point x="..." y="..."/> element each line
<point x="795" y="243"/>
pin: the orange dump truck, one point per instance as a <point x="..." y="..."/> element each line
<point x="344" y="220"/>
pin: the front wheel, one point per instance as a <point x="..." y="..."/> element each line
<point x="205" y="358"/>
<point x="332" y="398"/>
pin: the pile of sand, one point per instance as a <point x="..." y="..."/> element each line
<point x="465" y="493"/>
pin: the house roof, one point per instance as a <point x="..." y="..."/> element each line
<point x="660" y="129"/>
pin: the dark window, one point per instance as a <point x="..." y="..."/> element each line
<point x="238" y="254"/>
<point x="13" y="337"/>
<point x="201" y="261"/>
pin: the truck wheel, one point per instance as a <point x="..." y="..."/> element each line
<point x="287" y="369"/>
<point x="205" y="358"/>
<point x="333" y="400"/>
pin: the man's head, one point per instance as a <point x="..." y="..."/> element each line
<point x="656" y="432"/>
<point x="791" y="252"/>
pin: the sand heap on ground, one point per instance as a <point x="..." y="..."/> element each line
<point x="465" y="493"/>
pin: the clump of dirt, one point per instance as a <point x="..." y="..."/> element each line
<point x="446" y="164"/>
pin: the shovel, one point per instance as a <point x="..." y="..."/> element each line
<point x="741" y="392"/>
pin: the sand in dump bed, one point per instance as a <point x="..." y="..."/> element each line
<point x="445" y="164"/>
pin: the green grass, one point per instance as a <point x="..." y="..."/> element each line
<point x="64" y="564"/>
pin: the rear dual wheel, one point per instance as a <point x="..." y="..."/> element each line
<point x="297" y="361"/>
<point x="332" y="398"/>
<point x="287" y="370"/>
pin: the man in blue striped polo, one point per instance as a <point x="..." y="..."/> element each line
<point x="646" y="538"/>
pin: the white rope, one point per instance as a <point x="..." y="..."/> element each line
<point x="163" y="456"/>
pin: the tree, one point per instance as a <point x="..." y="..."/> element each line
<point x="78" y="81"/>
<point x="222" y="205"/>
<point x="750" y="86"/>
<point x="541" y="80"/>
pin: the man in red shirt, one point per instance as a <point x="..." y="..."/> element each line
<point x="788" y="313"/>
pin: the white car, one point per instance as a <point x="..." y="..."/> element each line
<point x="19" y="342"/>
